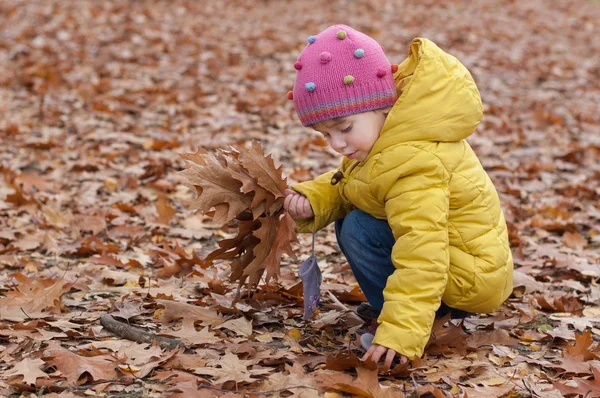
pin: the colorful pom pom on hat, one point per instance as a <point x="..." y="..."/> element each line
<point x="341" y="72"/>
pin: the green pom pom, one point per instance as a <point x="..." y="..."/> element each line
<point x="341" y="34"/>
<point x="348" y="79"/>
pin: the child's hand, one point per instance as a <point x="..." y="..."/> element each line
<point x="375" y="352"/>
<point x="297" y="205"/>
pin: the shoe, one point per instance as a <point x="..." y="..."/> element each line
<point x="367" y="313"/>
<point x="454" y="313"/>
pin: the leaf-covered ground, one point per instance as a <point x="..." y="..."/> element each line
<point x="98" y="98"/>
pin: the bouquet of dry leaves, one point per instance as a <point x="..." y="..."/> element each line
<point x="243" y="188"/>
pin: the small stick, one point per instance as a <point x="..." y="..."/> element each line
<point x="135" y="334"/>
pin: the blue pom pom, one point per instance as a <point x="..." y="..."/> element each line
<point x="310" y="86"/>
<point x="311" y="39"/>
<point x="359" y="53"/>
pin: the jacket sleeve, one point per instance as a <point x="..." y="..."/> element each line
<point x="416" y="197"/>
<point x="326" y="201"/>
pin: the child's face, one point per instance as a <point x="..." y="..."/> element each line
<point x="353" y="136"/>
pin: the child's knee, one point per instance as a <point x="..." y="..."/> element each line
<point x="350" y="228"/>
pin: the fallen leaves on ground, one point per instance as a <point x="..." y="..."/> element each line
<point x="101" y="101"/>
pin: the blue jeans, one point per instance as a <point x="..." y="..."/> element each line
<point x="367" y="244"/>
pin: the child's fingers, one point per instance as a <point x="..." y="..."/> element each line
<point x="389" y="359"/>
<point x="293" y="205"/>
<point x="374" y="353"/>
<point x="298" y="205"/>
<point x="306" y="209"/>
<point x="286" y="202"/>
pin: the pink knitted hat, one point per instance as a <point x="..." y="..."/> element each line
<point x="341" y="72"/>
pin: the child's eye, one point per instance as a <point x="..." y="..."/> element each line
<point x="347" y="129"/>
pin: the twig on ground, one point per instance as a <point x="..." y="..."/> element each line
<point x="135" y="334"/>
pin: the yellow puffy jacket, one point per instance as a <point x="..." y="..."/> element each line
<point x="424" y="178"/>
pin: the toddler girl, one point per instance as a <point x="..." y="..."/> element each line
<point x="415" y="213"/>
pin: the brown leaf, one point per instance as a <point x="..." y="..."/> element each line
<point x="94" y="224"/>
<point x="107" y="259"/>
<point x="250" y="185"/>
<point x="128" y="308"/>
<point x="177" y="310"/>
<point x="216" y="188"/>
<point x="563" y="303"/>
<point x="165" y="210"/>
<point x="29" y="368"/>
<point x="294" y="378"/>
<point x="282" y="243"/>
<point x="33" y="299"/>
<point x="495" y="337"/>
<point x="341" y="361"/>
<point x="240" y="326"/>
<point x="530" y="284"/>
<point x="72" y="366"/>
<point x="582" y="345"/>
<point x="575" y="240"/>
<point x="487" y="391"/>
<point x="266" y="233"/>
<point x="191" y="336"/>
<point x="575" y="359"/>
<point x="18" y="197"/>
<point x="366" y="384"/>
<point x="585" y="387"/>
<point x="441" y="335"/>
<point x="430" y="390"/>
<point x="263" y="169"/>
<point x="230" y="368"/>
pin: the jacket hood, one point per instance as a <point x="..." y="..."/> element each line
<point x="438" y="101"/>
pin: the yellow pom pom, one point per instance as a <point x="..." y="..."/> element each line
<point x="341" y="34"/>
<point x="348" y="79"/>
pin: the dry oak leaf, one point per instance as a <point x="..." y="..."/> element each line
<point x="501" y="391"/>
<point x="575" y="240"/>
<point x="34" y="298"/>
<point x="128" y="308"/>
<point x="451" y="335"/>
<point x="176" y="310"/>
<point x="527" y="281"/>
<point x="142" y="366"/>
<point x="72" y="366"/>
<point x="266" y="233"/>
<point x="494" y="337"/>
<point x="576" y="356"/>
<point x="230" y="368"/>
<point x="263" y="169"/>
<point x="164" y="210"/>
<point x="285" y="236"/>
<point x="250" y="185"/>
<point x="585" y="388"/>
<point x="244" y="184"/>
<point x="565" y="303"/>
<point x="583" y="343"/>
<point x="216" y="188"/>
<point x="240" y="326"/>
<point x="30" y="370"/>
<point x="365" y="385"/>
<point x="185" y="361"/>
<point x="184" y="384"/>
<point x="300" y="384"/>
<point x="191" y="336"/>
